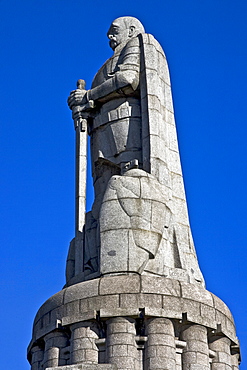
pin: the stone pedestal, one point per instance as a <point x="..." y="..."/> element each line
<point x="134" y="322"/>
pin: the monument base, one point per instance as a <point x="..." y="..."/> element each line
<point x="85" y="367"/>
<point x="133" y="322"/>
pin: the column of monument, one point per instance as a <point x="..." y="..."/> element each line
<point x="134" y="296"/>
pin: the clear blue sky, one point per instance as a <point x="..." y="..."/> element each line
<point x="45" y="46"/>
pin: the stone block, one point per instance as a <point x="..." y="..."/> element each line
<point x="120" y="325"/>
<point x="129" y="185"/>
<point x="172" y="135"/>
<point x="100" y="302"/>
<point x="119" y="284"/>
<point x="192" y="309"/>
<point x="189" y="357"/>
<point x="118" y="312"/>
<point x="170" y="117"/>
<point x="46" y="319"/>
<point x="45" y="330"/>
<point x="231" y="332"/>
<point x="72" y="308"/>
<point x="174" y="162"/>
<point x="57" y="313"/>
<point x="82" y="343"/>
<point x="82" y="316"/>
<point x="198" y="367"/>
<point x="140" y="300"/>
<point x="198" y="345"/>
<point x="161" y="363"/>
<point x="220" y="319"/>
<point x="81" y="290"/>
<point x="119" y="350"/>
<point x="225" y="358"/>
<point x="85" y="367"/>
<point x="139" y="256"/>
<point x="155" y="312"/>
<point x="165" y="351"/>
<point x="124" y="363"/>
<point x="222" y="307"/>
<point x="52" y="303"/>
<point x="139" y="209"/>
<point x="161" y="340"/>
<point x="161" y="217"/>
<point x="173" y="307"/>
<point x="168" y="98"/>
<point x="114" y="251"/>
<point x="113" y="216"/>
<point x="120" y="339"/>
<point x="178" y="186"/>
<point x="152" y="76"/>
<point x="80" y="356"/>
<point x="151" y="56"/>
<point x="160" y="285"/>
<point x="208" y="316"/>
<point x="154" y="101"/>
<point x="180" y="210"/>
<point x="196" y="293"/>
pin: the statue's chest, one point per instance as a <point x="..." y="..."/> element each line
<point x="106" y="71"/>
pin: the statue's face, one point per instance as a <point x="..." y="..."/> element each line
<point x="118" y="34"/>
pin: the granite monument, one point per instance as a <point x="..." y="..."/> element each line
<point x="134" y="296"/>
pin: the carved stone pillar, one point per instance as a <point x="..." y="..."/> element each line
<point x="121" y="348"/>
<point x="37" y="357"/>
<point x="221" y="347"/>
<point x="83" y="347"/>
<point x="160" y="351"/>
<point x="53" y="343"/>
<point x="196" y="351"/>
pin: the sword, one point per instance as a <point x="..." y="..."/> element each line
<point x="80" y="115"/>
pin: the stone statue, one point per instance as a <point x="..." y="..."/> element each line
<point x="139" y="221"/>
<point x="143" y="305"/>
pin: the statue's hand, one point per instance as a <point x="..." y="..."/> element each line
<point x="77" y="97"/>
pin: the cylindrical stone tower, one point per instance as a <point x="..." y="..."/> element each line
<point x="134" y="297"/>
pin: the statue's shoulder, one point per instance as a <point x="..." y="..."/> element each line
<point x="132" y="46"/>
<point x="148" y="40"/>
<point x="143" y="39"/>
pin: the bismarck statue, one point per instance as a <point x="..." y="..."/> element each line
<point x="134" y="297"/>
<point x="139" y="221"/>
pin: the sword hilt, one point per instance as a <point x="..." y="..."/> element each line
<point x="81" y="84"/>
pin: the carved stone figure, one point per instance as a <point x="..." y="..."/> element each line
<point x="139" y="221"/>
<point x="143" y="305"/>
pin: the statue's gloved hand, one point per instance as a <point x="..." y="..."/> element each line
<point x="77" y="97"/>
<point x="78" y="113"/>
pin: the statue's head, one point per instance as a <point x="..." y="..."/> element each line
<point x="122" y="29"/>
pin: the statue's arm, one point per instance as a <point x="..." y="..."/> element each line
<point x="125" y="80"/>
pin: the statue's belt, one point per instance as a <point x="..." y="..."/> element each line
<point x="110" y="112"/>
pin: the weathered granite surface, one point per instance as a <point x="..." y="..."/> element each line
<point x="138" y="298"/>
<point x="85" y="367"/>
<point x="139" y="220"/>
<point x="134" y="298"/>
<point x="127" y="295"/>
